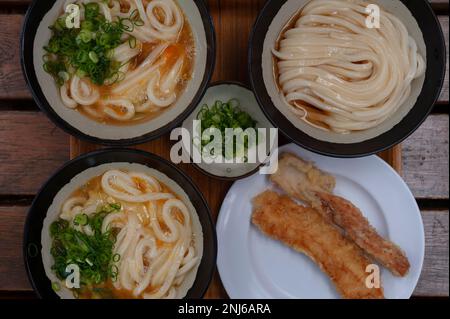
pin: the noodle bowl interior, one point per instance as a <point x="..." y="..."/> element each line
<point x="340" y="76"/>
<point x="129" y="61"/>
<point x="130" y="235"/>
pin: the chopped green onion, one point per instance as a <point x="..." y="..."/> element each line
<point x="89" y="50"/>
<point x="81" y="220"/>
<point x="92" y="253"/>
<point x="80" y="73"/>
<point x="91" y="10"/>
<point x="85" y="35"/>
<point x="116" y="206"/>
<point x="116" y="258"/>
<point x="56" y="286"/>
<point x="132" y="42"/>
<point x="127" y="25"/>
<point x="93" y="56"/>
<point x="88" y="25"/>
<point x="89" y="262"/>
<point x="82" y="57"/>
<point x="222" y="116"/>
<point x="64" y="76"/>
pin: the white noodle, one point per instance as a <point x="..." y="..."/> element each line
<point x="123" y="104"/>
<point x="144" y="264"/>
<point x="83" y="92"/>
<point x="331" y="62"/>
<point x="70" y="103"/>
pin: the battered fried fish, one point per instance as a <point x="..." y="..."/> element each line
<point x="307" y="183"/>
<point x="307" y="231"/>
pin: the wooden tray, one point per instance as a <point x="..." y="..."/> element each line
<point x="233" y="20"/>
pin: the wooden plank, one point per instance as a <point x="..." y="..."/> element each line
<point x="232" y="47"/>
<point x="31" y="153"/>
<point x="426" y="159"/>
<point x="13" y="275"/>
<point x="233" y="21"/>
<point x="433" y="282"/>
<point x="434" y="279"/>
<point x="12" y="83"/>
<point x="393" y="157"/>
<point x="31" y="149"/>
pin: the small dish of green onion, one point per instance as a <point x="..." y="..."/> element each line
<point x="226" y="105"/>
<point x="222" y="115"/>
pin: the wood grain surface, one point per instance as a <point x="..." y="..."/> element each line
<point x="33" y="148"/>
<point x="29" y="154"/>
<point x="425" y="155"/>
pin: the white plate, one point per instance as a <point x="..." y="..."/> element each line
<point x="254" y="266"/>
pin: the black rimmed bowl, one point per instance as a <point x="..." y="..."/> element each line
<point x="418" y="17"/>
<point x="34" y="224"/>
<point x="35" y="34"/>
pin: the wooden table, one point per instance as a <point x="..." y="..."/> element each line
<point x="31" y="148"/>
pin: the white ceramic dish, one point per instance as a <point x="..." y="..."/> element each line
<point x="254" y="266"/>
<point x="46" y="93"/>
<point x="225" y="91"/>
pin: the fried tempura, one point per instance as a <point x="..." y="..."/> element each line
<point x="307" y="183"/>
<point x="307" y="231"/>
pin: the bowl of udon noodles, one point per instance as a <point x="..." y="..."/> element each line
<point x="117" y="72"/>
<point x="120" y="224"/>
<point x="347" y="78"/>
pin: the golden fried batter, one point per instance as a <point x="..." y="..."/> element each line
<point x="307" y="183"/>
<point x="307" y="231"/>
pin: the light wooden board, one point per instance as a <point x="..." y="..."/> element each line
<point x="425" y="159"/>
<point x="434" y="279"/>
<point x="35" y="148"/>
<point x="31" y="149"/>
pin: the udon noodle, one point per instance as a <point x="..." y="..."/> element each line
<point x="338" y="74"/>
<point x="155" y="237"/>
<point x="155" y="59"/>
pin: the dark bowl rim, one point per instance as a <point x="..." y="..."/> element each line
<point x="106" y="151"/>
<point x="225" y="178"/>
<point x="28" y="70"/>
<point x="327" y="149"/>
